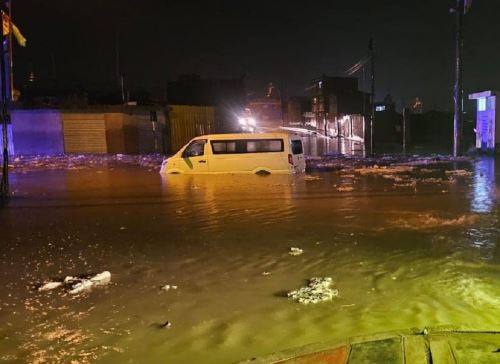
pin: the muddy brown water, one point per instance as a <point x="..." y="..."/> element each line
<point x="401" y="254"/>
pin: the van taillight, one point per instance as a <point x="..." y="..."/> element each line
<point x="290" y="159"/>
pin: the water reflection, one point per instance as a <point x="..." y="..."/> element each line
<point x="320" y="145"/>
<point x="483" y="200"/>
<point x="484" y="189"/>
<point x="211" y="200"/>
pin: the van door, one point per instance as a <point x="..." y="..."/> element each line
<point x="299" y="162"/>
<point x="194" y="157"/>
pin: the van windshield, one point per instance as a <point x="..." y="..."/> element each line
<point x="195" y="149"/>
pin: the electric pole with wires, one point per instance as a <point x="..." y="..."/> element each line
<point x="461" y="8"/>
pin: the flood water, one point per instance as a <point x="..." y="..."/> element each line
<point x="401" y="255"/>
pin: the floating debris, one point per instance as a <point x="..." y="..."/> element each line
<point x="101" y="278"/>
<point x="75" y="285"/>
<point x="317" y="290"/>
<point x="295" y="251"/>
<point x="311" y="178"/>
<point x="266" y="273"/>
<point x="459" y="173"/>
<point x="384" y="170"/>
<point x="79" y="287"/>
<point x="166" y="325"/>
<point x="168" y="287"/>
<point x="345" y="189"/>
<point x="50" y="286"/>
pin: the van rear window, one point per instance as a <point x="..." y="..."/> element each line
<point x="247" y="146"/>
<point x="296" y="146"/>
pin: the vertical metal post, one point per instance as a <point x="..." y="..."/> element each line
<point x="4" y="112"/>
<point x="405" y="116"/>
<point x="458" y="91"/>
<point x="372" y="81"/>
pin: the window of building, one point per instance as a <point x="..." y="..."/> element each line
<point x="296" y="147"/>
<point x="481" y="104"/>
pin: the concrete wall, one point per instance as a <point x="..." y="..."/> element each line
<point x="114" y="129"/>
<point x="37" y="132"/>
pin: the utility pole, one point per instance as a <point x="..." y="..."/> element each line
<point x="4" y="101"/>
<point x="458" y="88"/>
<point x="119" y="75"/>
<point x="372" y="82"/>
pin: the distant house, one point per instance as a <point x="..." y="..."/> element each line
<point x="339" y="108"/>
<point x="388" y="122"/>
<point x="267" y="112"/>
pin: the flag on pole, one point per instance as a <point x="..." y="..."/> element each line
<point x="7" y="25"/>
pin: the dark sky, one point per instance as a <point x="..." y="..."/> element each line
<point x="287" y="42"/>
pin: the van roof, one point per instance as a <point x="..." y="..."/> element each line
<point x="245" y="136"/>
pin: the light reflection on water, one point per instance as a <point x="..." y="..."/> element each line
<point x="400" y="257"/>
<point x="484" y="188"/>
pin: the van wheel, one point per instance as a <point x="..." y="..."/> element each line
<point x="262" y="172"/>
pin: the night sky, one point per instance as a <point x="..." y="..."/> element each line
<point x="286" y="42"/>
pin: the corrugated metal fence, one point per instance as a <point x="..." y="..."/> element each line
<point x="187" y="122"/>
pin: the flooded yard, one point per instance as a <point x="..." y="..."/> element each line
<point x="413" y="247"/>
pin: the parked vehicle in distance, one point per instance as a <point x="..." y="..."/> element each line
<point x="239" y="153"/>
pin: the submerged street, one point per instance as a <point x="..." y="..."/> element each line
<point x="405" y="247"/>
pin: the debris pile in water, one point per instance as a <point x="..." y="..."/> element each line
<point x="295" y="251"/>
<point x="30" y="163"/>
<point x="384" y="169"/>
<point x="459" y="173"/>
<point x="317" y="290"/>
<point x="168" y="287"/>
<point x="75" y="285"/>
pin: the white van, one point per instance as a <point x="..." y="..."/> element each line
<point x="239" y="153"/>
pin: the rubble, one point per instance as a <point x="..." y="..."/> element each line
<point x="348" y="163"/>
<point x="25" y="164"/>
<point x="317" y="290"/>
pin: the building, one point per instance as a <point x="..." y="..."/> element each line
<point x="487" y="115"/>
<point x="339" y="108"/>
<point x="295" y="111"/>
<point x="267" y="112"/>
<point x="107" y="129"/>
<point x="388" y="126"/>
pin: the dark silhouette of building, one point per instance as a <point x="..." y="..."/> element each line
<point x="227" y="96"/>
<point x="388" y="122"/>
<point x="335" y="97"/>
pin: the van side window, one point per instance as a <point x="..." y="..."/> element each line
<point x="247" y="146"/>
<point x="223" y="147"/>
<point x="262" y="146"/>
<point x="296" y="147"/>
<point x="195" y="149"/>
